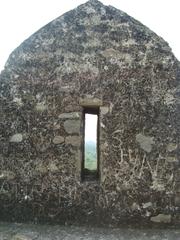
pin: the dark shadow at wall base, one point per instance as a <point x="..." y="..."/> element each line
<point x="77" y="217"/>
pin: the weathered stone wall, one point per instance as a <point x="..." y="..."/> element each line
<point x="100" y="56"/>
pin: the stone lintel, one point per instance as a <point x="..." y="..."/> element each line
<point x="90" y="102"/>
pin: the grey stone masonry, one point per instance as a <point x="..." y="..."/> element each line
<point x="94" y="58"/>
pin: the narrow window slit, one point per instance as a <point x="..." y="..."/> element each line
<point x="90" y="163"/>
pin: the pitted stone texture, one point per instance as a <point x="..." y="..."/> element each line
<point x="41" y="168"/>
<point x="72" y="126"/>
<point x="177" y="199"/>
<point x="53" y="167"/>
<point x="169" y="99"/>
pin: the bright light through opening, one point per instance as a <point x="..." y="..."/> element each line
<point x="90" y="162"/>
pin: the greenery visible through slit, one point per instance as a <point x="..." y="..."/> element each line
<point x="90" y="142"/>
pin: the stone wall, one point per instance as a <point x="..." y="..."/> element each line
<point x="99" y="56"/>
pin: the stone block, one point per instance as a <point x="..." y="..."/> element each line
<point x="52" y="167"/>
<point x="41" y="168"/>
<point x="17" y="138"/>
<point x="71" y="115"/>
<point x="41" y="107"/>
<point x="73" y="140"/>
<point x="161" y="218"/>
<point x="145" y="142"/>
<point x="90" y="102"/>
<point x="20" y="237"/>
<point x="172" y="160"/>
<point x="58" y="140"/>
<point x="177" y="200"/>
<point x="147" y="205"/>
<point x="104" y="110"/>
<point x="72" y="126"/>
<point x="8" y="175"/>
<point x="171" y="147"/>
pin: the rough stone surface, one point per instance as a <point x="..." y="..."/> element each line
<point x="92" y="56"/>
<point x="53" y="167"/>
